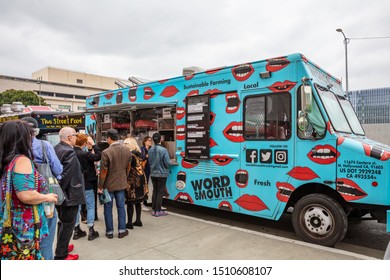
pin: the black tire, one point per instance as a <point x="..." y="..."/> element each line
<point x="319" y="219"/>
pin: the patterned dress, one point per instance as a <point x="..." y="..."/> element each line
<point x="22" y="214"/>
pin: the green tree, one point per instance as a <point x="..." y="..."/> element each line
<point x="26" y="97"/>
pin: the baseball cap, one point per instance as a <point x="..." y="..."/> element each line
<point x="31" y="121"/>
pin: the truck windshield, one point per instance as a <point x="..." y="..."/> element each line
<point x="340" y="112"/>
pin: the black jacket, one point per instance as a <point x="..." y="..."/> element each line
<point x="72" y="181"/>
<point x="87" y="162"/>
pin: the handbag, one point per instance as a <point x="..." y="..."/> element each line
<point x="45" y="170"/>
<point x="104" y="197"/>
<point x="12" y="248"/>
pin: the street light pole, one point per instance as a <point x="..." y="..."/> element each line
<point x="346" y="41"/>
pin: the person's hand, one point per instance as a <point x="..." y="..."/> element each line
<point x="51" y="197"/>
<point x="90" y="141"/>
<point x="100" y="191"/>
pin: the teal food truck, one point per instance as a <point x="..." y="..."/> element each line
<point x="259" y="138"/>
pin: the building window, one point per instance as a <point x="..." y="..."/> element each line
<point x="79" y="81"/>
<point x="81" y="108"/>
<point x="80" y="97"/>
<point x="64" y="95"/>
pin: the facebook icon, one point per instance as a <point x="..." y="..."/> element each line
<point x="252" y="156"/>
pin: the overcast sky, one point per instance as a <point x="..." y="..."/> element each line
<point x="156" y="39"/>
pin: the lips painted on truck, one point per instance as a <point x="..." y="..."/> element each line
<point x="242" y="72"/>
<point x="148" y="93"/>
<point x="180" y="113"/>
<point x="221" y="160"/>
<point x="108" y="95"/>
<point x="376" y="152"/>
<point x="188" y="163"/>
<point x="233" y="132"/>
<point x="132" y="95"/>
<point x="212" y="143"/>
<point x="242" y="178"/>
<point x="225" y="205"/>
<point x="349" y="190"/>
<point x="251" y="203"/>
<point x="233" y="102"/>
<point x="180" y="132"/>
<point x="302" y="173"/>
<point x="282" y="86"/>
<point x="119" y="97"/>
<point x="169" y="91"/>
<point x="276" y="64"/>
<point x="184" y="197"/>
<point x="212" y="117"/>
<point x="325" y="154"/>
<point x="284" y="191"/>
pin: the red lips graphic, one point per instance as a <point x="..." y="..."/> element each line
<point x="349" y="190"/>
<point x="376" y="152"/>
<point x="132" y="95"/>
<point x="184" y="197"/>
<point x="251" y="203"/>
<point x="323" y="154"/>
<point x="303" y="173"/>
<point x="225" y="205"/>
<point x="169" y="91"/>
<point x="213" y="92"/>
<point x="276" y="64"/>
<point x="242" y="72"/>
<point x="233" y="102"/>
<point x="180" y="132"/>
<point x="212" y="143"/>
<point x="180" y="112"/>
<point x="221" y="160"/>
<point x="233" y="132"/>
<point x="282" y="86"/>
<point x="109" y="95"/>
<point x="148" y="93"/>
<point x="187" y="163"/>
<point x="284" y="191"/>
<point x="212" y="117"/>
<point x="242" y="178"/>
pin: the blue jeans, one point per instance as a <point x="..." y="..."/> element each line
<point x="120" y="206"/>
<point x="90" y="202"/>
<point x="48" y="241"/>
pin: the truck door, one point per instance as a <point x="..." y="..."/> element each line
<point x="266" y="153"/>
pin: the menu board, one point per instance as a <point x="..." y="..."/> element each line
<point x="198" y="127"/>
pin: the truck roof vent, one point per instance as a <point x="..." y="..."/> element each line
<point x="188" y="71"/>
<point x="6" y="109"/>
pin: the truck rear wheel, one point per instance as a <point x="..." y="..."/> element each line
<point x="319" y="219"/>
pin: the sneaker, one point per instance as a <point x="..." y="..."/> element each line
<point x="71" y="257"/>
<point x="163" y="208"/>
<point x="160" y="213"/>
<point x="153" y="213"/>
<point x="145" y="208"/>
<point x="70" y="248"/>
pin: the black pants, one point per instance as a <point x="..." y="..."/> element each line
<point x="130" y="212"/>
<point x="67" y="219"/>
<point x="159" y="184"/>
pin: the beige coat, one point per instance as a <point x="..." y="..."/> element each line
<point x="114" y="167"/>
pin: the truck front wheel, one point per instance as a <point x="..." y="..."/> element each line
<point x="319" y="219"/>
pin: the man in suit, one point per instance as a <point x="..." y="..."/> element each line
<point x="72" y="183"/>
<point x="114" y="167"/>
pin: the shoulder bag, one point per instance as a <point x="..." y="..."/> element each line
<point x="12" y="248"/>
<point x="45" y="170"/>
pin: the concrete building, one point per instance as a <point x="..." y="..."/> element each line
<point x="372" y="107"/>
<point x="62" y="89"/>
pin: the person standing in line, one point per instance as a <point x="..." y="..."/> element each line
<point x="146" y="144"/>
<point x="72" y="183"/>
<point x="159" y="171"/>
<point x="15" y="148"/>
<point x="87" y="161"/>
<point x="114" y="167"/>
<point x="138" y="188"/>
<point x="56" y="169"/>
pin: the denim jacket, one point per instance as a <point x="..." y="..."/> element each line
<point x="159" y="161"/>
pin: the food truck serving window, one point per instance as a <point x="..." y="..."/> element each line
<point x="198" y="127"/>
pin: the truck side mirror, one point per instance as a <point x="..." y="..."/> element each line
<point x="306" y="98"/>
